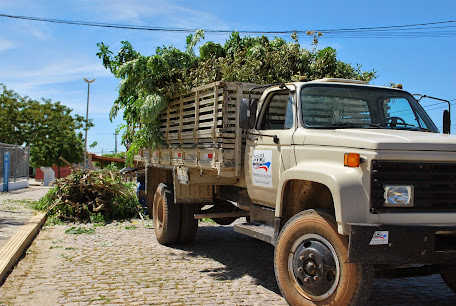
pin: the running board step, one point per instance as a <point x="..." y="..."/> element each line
<point x="256" y="230"/>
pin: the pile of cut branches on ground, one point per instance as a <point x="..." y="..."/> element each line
<point x="90" y="196"/>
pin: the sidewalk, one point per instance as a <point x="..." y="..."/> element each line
<point x="19" y="224"/>
<point x="15" y="210"/>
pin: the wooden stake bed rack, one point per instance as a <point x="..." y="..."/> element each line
<point x="201" y="130"/>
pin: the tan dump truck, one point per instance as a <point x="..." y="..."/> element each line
<point x="345" y="179"/>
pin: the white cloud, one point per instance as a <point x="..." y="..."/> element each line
<point x="6" y="44"/>
<point x="55" y="73"/>
<point x="36" y="32"/>
<point x="162" y="13"/>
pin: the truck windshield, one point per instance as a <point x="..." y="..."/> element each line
<point x="339" y="106"/>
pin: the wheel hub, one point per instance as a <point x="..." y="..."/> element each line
<point x="314" y="267"/>
<point x="311" y="267"/>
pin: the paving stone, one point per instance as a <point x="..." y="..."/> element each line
<point x="115" y="266"/>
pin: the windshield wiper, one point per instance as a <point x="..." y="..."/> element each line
<point x="343" y="125"/>
<point x="418" y="128"/>
<point x="378" y="125"/>
<point x="400" y="126"/>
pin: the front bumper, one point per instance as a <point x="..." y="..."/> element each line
<point x="402" y="245"/>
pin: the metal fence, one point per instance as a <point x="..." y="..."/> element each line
<point x="19" y="161"/>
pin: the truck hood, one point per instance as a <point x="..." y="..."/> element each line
<point x="382" y="139"/>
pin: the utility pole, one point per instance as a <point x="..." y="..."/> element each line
<point x="87" y="120"/>
<point x="115" y="148"/>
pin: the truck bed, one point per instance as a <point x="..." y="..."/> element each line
<point x="201" y="130"/>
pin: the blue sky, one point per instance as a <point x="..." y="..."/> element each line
<point x="49" y="60"/>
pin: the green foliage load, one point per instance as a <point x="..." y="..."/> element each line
<point x="90" y="196"/>
<point x="148" y="82"/>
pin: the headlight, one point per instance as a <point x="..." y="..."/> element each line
<point x="398" y="196"/>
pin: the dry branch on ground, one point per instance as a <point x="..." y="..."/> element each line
<point x="88" y="195"/>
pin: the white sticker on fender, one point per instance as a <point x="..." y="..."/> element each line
<point x="379" y="237"/>
<point x="261" y="168"/>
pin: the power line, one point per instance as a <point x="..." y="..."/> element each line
<point x="437" y="107"/>
<point x="391" y="27"/>
<point x="430" y="29"/>
<point x="435" y="104"/>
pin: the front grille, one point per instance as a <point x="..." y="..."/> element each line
<point x="434" y="184"/>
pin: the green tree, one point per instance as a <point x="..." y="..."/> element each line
<point x="48" y="128"/>
<point x="11" y="117"/>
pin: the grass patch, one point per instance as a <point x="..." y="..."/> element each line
<point x="53" y="220"/>
<point x="148" y="225"/>
<point x="102" y="298"/>
<point x="207" y="220"/>
<point x="79" y="230"/>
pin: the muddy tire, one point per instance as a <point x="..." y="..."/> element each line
<point x="188" y="223"/>
<point x="448" y="274"/>
<point x="166" y="215"/>
<point x="310" y="263"/>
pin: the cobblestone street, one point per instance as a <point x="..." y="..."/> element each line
<point x="122" y="263"/>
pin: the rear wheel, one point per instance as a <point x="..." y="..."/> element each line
<point x="188" y="223"/>
<point x="166" y="215"/>
<point x="448" y="274"/>
<point x="310" y="263"/>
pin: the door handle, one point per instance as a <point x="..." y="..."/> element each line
<point x="255" y="137"/>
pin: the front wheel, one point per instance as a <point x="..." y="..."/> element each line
<point x="448" y="274"/>
<point x="310" y="263"/>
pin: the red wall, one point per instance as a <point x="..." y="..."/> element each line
<point x="64" y="172"/>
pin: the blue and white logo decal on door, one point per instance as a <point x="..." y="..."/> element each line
<point x="261" y="168"/>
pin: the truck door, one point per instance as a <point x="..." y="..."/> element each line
<point x="266" y="160"/>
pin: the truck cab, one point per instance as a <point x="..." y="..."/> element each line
<point x="322" y="125"/>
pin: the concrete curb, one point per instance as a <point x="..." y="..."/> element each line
<point x="17" y="244"/>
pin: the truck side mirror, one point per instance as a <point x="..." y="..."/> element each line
<point x="446" y="122"/>
<point x="247" y="114"/>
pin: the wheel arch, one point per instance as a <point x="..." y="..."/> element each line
<point x="324" y="186"/>
<point x="312" y="195"/>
